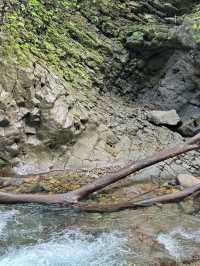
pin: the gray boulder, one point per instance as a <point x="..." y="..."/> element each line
<point x="190" y="127"/>
<point x="170" y="118"/>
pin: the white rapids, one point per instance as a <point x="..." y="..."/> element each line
<point x="180" y="242"/>
<point x="66" y="248"/>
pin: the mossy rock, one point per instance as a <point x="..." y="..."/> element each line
<point x="56" y="33"/>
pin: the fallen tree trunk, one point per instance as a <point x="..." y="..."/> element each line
<point x="191" y="144"/>
<point x="78" y="194"/>
<point x="172" y="197"/>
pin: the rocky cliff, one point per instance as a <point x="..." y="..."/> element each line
<point x="78" y="79"/>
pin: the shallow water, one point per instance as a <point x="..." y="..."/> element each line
<point x="51" y="236"/>
<point x="70" y="248"/>
<point x="181" y="242"/>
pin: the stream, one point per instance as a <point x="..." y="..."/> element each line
<point x="52" y="236"/>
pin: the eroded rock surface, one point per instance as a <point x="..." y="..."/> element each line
<point x="38" y="110"/>
<point x="75" y="93"/>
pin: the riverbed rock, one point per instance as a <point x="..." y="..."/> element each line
<point x="187" y="180"/>
<point x="190" y="127"/>
<point x="170" y="118"/>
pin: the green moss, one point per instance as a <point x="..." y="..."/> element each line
<point x="55" y="32"/>
<point x="70" y="35"/>
<point x="3" y="163"/>
<point x="194" y="19"/>
<point x="137" y="36"/>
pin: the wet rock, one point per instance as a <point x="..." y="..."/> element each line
<point x="164" y="262"/>
<point x="170" y="118"/>
<point x="179" y="86"/>
<point x="190" y="127"/>
<point x="4" y="121"/>
<point x="187" y="180"/>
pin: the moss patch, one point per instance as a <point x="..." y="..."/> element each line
<point x="55" y="32"/>
<point x="195" y="21"/>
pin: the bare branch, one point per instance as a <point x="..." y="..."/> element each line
<point x="78" y="194"/>
<point x="191" y="144"/>
<point x="173" y="197"/>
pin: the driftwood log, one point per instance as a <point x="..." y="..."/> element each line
<point x="72" y="198"/>
<point x="173" y="197"/>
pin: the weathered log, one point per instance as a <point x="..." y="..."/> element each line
<point x="78" y="194"/>
<point x="190" y="144"/>
<point x="172" y="197"/>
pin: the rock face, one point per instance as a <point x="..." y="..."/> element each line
<point x="37" y="109"/>
<point x="75" y="91"/>
<point x="179" y="89"/>
<point x="169" y="118"/>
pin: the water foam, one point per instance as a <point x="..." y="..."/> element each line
<point x="71" y="249"/>
<point x="175" y="242"/>
<point x="186" y="234"/>
<point x="170" y="244"/>
<point x="5" y="217"/>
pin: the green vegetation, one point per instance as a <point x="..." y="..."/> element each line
<point x="3" y="163"/>
<point x="76" y="37"/>
<point x="55" y="32"/>
<point x="195" y="17"/>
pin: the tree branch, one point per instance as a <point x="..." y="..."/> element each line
<point x="78" y="194"/>
<point x="173" y="197"/>
<point x="191" y="144"/>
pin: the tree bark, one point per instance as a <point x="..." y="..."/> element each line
<point x="173" y="197"/>
<point x="78" y="194"/>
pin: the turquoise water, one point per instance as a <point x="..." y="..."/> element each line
<point x="50" y="237"/>
<point x="71" y="248"/>
<point x="35" y="235"/>
<point x="181" y="242"/>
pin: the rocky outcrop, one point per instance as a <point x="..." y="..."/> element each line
<point x="179" y="89"/>
<point x="38" y="111"/>
<point x="75" y="92"/>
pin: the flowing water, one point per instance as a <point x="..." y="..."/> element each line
<point x="51" y="236"/>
